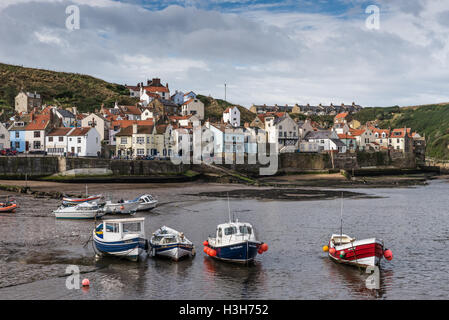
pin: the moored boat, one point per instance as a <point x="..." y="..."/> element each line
<point x="123" y="238"/>
<point x="81" y="211"/>
<point x="121" y="207"/>
<point x="145" y="202"/>
<point x="361" y="253"/>
<point x="75" y="201"/>
<point x="167" y="242"/>
<point x="8" y="207"/>
<point x="234" y="242"/>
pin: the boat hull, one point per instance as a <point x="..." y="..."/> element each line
<point x="174" y="251"/>
<point x="240" y="252"/>
<point x="78" y="215"/>
<point x="10" y="208"/>
<point x="121" y="208"/>
<point x="130" y="249"/>
<point x="146" y="206"/>
<point x="76" y="201"/>
<point x="361" y="253"/>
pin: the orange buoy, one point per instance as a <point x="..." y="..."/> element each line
<point x="122" y="207"/>
<point x="264" y="247"/>
<point x="260" y="251"/>
<point x="213" y="253"/>
<point x="208" y="251"/>
<point x="205" y="249"/>
<point x="332" y="250"/>
<point x="85" y="282"/>
<point x="206" y="243"/>
<point x="325" y="248"/>
<point x="388" y="254"/>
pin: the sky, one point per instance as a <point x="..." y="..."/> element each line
<point x="267" y="52"/>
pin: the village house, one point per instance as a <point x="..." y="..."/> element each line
<point x="17" y="136"/>
<point x="189" y="95"/>
<point x="36" y="131"/>
<point x="56" y="141"/>
<point x="153" y="87"/>
<point x="282" y="131"/>
<point x="117" y="125"/>
<point x="161" y="107"/>
<point x="327" y="140"/>
<point x="401" y="140"/>
<point x="349" y="141"/>
<point x="364" y="138"/>
<point x="232" y="116"/>
<point x="304" y="127"/>
<point x="194" y="107"/>
<point x="68" y="119"/>
<point x="178" y="97"/>
<point x="98" y="122"/>
<point x="4" y="137"/>
<point x="84" y="142"/>
<point x="25" y="102"/>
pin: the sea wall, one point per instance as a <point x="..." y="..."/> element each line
<point x="40" y="166"/>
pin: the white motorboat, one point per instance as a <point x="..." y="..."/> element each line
<point x="146" y="202"/>
<point x="85" y="210"/>
<point x="167" y="242"/>
<point x="121" y="207"/>
<point x="121" y="238"/>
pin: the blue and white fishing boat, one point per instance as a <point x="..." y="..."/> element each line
<point x="167" y="242"/>
<point x="234" y="242"/>
<point x="121" y="237"/>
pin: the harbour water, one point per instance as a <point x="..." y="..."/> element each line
<point x="35" y="250"/>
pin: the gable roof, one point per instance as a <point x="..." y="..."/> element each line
<point x="59" y="132"/>
<point x="82" y="131"/>
<point x="39" y="123"/>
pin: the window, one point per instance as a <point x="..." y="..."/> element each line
<point x="140" y="140"/>
<point x="17" y="144"/>
<point x="61" y="139"/>
<point x="230" y="231"/>
<point x="50" y="139"/>
<point x="37" y="134"/>
<point x="79" y="150"/>
<point x="124" y="140"/>
<point x="140" y="152"/>
<point x="79" y="139"/>
<point x="36" y="145"/>
<point x="220" y="233"/>
<point x="17" y="134"/>
<point x="131" y="227"/>
<point x="112" y="227"/>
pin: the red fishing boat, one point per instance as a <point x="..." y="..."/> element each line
<point x="361" y="253"/>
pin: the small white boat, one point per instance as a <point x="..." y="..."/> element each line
<point x="167" y="242"/>
<point x="121" y="207"/>
<point x="81" y="211"/>
<point x="146" y="202"/>
<point x="121" y="238"/>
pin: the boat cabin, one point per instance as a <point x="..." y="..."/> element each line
<point x="121" y="229"/>
<point x="338" y="239"/>
<point x="234" y="231"/>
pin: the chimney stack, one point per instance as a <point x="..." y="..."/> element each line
<point x="134" y="128"/>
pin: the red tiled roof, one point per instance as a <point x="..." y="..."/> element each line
<point x="345" y="136"/>
<point x="80" y="131"/>
<point x="356" y="132"/>
<point x="156" y="89"/>
<point x="59" y="132"/>
<point x="341" y="115"/>
<point x="131" y="110"/>
<point x="127" y="123"/>
<point x="187" y="102"/>
<point x="40" y="122"/>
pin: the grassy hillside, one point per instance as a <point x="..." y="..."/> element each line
<point x="431" y="120"/>
<point x="59" y="88"/>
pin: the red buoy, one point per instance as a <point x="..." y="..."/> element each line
<point x="206" y="243"/>
<point x="260" y="251"/>
<point x="213" y="253"/>
<point x="85" y="282"/>
<point x="388" y="255"/>
<point x="264" y="247"/>
<point x="205" y="249"/>
<point x="332" y="250"/>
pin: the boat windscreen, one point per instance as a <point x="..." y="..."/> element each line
<point x="230" y="230"/>
<point x="245" y="230"/>
<point x="131" y="227"/>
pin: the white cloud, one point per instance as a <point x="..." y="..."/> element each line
<point x="263" y="56"/>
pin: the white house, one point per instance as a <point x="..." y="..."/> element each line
<point x="147" y="114"/>
<point x="4" y="137"/>
<point x="35" y="132"/>
<point x="98" y="122"/>
<point x="194" y="107"/>
<point x="326" y="140"/>
<point x="232" y="116"/>
<point x="84" y="142"/>
<point x="56" y="141"/>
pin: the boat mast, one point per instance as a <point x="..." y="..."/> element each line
<point x="341" y="219"/>
<point x="229" y="209"/>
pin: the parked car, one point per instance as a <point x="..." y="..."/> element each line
<point x="8" y="152"/>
